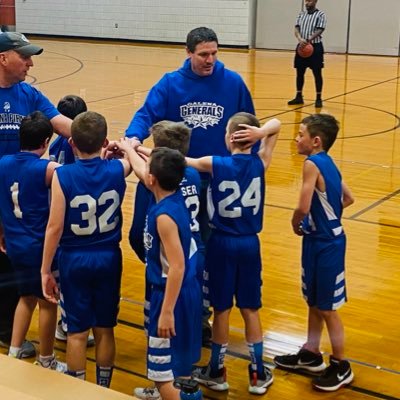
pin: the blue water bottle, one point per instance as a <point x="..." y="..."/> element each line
<point x="189" y="389"/>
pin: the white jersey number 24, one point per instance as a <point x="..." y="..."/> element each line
<point x="250" y="198"/>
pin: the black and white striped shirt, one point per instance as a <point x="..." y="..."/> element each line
<point x="308" y="23"/>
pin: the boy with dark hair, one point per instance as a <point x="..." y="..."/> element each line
<point x="233" y="260"/>
<point x="86" y="219"/>
<point x="174" y="135"/>
<point x="174" y="326"/>
<point x="24" y="208"/>
<point x="60" y="150"/>
<point x="318" y="219"/>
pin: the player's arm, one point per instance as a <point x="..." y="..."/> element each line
<point x="253" y="134"/>
<point x="348" y="198"/>
<point x="271" y="131"/>
<point x="54" y="230"/>
<point x="62" y="125"/>
<point x="310" y="176"/>
<point x="51" y="167"/>
<point x="168" y="231"/>
<point x="128" y="147"/>
<point x="146" y="151"/>
<point x="203" y="164"/>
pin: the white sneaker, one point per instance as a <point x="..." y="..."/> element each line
<point x="61" y="335"/>
<point x="147" y="393"/>
<point x="53" y="364"/>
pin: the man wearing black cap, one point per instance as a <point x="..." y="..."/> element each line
<point x="17" y="100"/>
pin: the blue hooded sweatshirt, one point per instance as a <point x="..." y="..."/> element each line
<point x="204" y="103"/>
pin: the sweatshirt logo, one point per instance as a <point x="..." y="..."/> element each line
<point x="201" y="114"/>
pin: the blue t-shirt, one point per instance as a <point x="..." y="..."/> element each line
<point x="16" y="102"/>
<point x="24" y="205"/>
<point x="93" y="191"/>
<point x="235" y="197"/>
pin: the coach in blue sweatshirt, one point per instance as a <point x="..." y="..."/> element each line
<point x="203" y="94"/>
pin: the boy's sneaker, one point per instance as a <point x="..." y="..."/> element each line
<point x="54" y="365"/>
<point x="259" y="382"/>
<point x="27" y="350"/>
<point x="61" y="335"/>
<point x="318" y="103"/>
<point x="215" y="382"/>
<point x="148" y="393"/>
<point x="304" y="359"/>
<point x="338" y="374"/>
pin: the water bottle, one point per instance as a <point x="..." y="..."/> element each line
<point x="189" y="389"/>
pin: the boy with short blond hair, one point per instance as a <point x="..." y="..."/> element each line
<point x="233" y="260"/>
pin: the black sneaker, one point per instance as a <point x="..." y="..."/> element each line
<point x="258" y="383"/>
<point x="338" y="374"/>
<point x="304" y="359"/>
<point x="318" y="103"/>
<point x="215" y="382"/>
<point x="297" y="100"/>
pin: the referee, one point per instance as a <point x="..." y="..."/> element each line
<point x="308" y="29"/>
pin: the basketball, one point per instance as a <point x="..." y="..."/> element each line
<point x="305" y="51"/>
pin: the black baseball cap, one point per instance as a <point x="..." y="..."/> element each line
<point x="18" y="42"/>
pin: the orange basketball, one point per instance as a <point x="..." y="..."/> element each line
<point x="305" y="51"/>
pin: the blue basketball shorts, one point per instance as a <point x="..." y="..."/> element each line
<point x="27" y="272"/>
<point x="323" y="275"/>
<point x="233" y="269"/>
<point x="168" y="359"/>
<point x="90" y="282"/>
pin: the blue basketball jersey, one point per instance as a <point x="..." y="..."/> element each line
<point x="24" y="204"/>
<point x="156" y="262"/>
<point x="324" y="219"/>
<point x="236" y="194"/>
<point x="60" y="151"/>
<point x="190" y="188"/>
<point x="93" y="191"/>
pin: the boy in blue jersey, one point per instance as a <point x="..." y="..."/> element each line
<point x="318" y="219"/>
<point x="85" y="220"/>
<point x="233" y="261"/>
<point x="60" y="150"/>
<point x="24" y="208"/>
<point x="174" y="326"/>
<point x="174" y="135"/>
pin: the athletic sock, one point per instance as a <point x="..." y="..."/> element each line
<point x="218" y="352"/>
<point x="256" y="355"/>
<point x="104" y="375"/>
<point x="77" y="374"/>
<point x="14" y="351"/>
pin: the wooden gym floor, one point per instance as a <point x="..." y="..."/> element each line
<point x="363" y="93"/>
